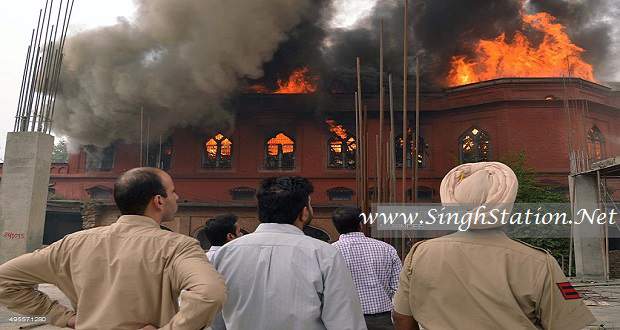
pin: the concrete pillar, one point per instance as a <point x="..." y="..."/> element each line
<point x="589" y="238"/>
<point x="23" y="192"/>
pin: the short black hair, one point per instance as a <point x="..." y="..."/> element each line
<point x="281" y="199"/>
<point x="219" y="227"/>
<point x="347" y="219"/>
<point x="201" y="236"/>
<point x="135" y="188"/>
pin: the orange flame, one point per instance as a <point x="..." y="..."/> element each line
<point x="299" y="82"/>
<point x="340" y="131"/>
<point x="258" y="89"/>
<point x="556" y="56"/>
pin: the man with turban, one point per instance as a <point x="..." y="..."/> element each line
<point x="480" y="278"/>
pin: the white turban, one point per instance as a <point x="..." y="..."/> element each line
<point x="489" y="184"/>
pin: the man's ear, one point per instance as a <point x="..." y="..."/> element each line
<point x="158" y="201"/>
<point x="230" y="237"/>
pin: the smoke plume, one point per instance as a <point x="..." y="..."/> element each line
<point x="442" y="29"/>
<point x="183" y="62"/>
<point x="177" y="63"/>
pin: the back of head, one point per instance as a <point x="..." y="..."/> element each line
<point x="347" y="219"/>
<point x="489" y="184"/>
<point x="134" y="189"/>
<point x="219" y="227"/>
<point x="281" y="199"/>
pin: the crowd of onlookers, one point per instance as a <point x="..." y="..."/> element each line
<point x="134" y="275"/>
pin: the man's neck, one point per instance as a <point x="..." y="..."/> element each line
<point x="153" y="216"/>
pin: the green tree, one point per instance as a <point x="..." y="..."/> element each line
<point x="553" y="238"/>
<point x="59" y="152"/>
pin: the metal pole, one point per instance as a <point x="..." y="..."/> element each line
<point x="41" y="76"/>
<point x="33" y="74"/>
<point x="53" y="70"/>
<point x="392" y="145"/>
<point x="381" y="101"/>
<point x="148" y="139"/>
<point x="21" y="90"/>
<point x="62" y="46"/>
<point x="414" y="192"/>
<point x="141" y="129"/>
<point x="361" y="136"/>
<point x="357" y="152"/>
<point x="405" y="75"/>
<point x="159" y="155"/>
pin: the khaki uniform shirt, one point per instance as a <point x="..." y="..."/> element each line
<point x="484" y="280"/>
<point x="121" y="276"/>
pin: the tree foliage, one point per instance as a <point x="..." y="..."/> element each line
<point x="553" y="238"/>
<point x="59" y="152"/>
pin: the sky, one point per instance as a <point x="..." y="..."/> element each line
<point x="18" y="18"/>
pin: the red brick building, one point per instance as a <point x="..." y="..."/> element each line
<point x="217" y="171"/>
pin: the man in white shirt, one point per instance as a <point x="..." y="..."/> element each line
<point x="278" y="278"/>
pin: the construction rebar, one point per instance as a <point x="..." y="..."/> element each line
<point x="405" y="76"/>
<point x="40" y="79"/>
<point x="380" y="157"/>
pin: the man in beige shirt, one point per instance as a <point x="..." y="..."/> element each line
<point x="481" y="279"/>
<point x="128" y="275"/>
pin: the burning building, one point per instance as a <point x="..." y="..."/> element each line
<point x="283" y="134"/>
<point x="221" y="113"/>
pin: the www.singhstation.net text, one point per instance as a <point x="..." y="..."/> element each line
<point x="488" y="216"/>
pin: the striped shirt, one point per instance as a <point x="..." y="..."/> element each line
<point x="375" y="267"/>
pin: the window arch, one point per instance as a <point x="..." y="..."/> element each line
<point x="422" y="155"/>
<point x="474" y="146"/>
<point x="596" y="144"/>
<point x="217" y="152"/>
<point x="280" y="152"/>
<point x="159" y="155"/>
<point x="341" y="152"/>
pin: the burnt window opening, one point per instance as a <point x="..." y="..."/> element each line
<point x="99" y="159"/>
<point x="596" y="144"/>
<point x="160" y="155"/>
<point x="422" y="155"/>
<point x="280" y="153"/>
<point x="474" y="146"/>
<point x="340" y="194"/>
<point x="217" y="152"/>
<point x="425" y="195"/>
<point x="341" y="147"/>
<point x="243" y="194"/>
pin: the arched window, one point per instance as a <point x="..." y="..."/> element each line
<point x="474" y="146"/>
<point x="160" y="154"/>
<point x="422" y="155"/>
<point x="280" y="152"/>
<point x="217" y="152"/>
<point x="342" y="151"/>
<point x="99" y="159"/>
<point x="596" y="144"/>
